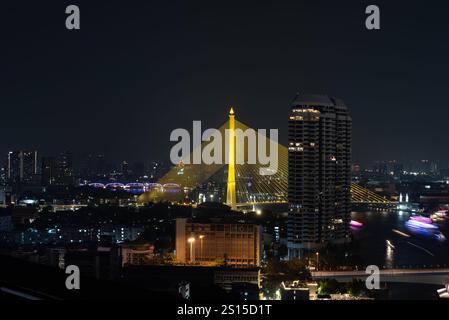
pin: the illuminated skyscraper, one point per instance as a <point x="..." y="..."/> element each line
<point x="319" y="154"/>
<point x="230" y="194"/>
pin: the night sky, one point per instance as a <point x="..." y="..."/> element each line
<point x="139" y="69"/>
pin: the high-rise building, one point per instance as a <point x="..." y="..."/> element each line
<point x="3" y="179"/>
<point x="64" y="168"/>
<point x="3" y="183"/>
<point x="319" y="155"/>
<point x="21" y="166"/>
<point x="48" y="171"/>
<point x="124" y="169"/>
<point x="206" y="242"/>
<point x="58" y="170"/>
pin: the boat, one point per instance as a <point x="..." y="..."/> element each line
<point x="421" y="219"/>
<point x="356" y="224"/>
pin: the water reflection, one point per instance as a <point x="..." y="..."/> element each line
<point x="389" y="257"/>
<point x="378" y="227"/>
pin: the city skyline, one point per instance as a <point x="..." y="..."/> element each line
<point x="224" y="152"/>
<point x="80" y="164"/>
<point x="172" y="73"/>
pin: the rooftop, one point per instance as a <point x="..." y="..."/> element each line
<point x="317" y="100"/>
<point x="312" y="99"/>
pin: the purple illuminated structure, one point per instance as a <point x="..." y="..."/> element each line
<point x="355" y="225"/>
<point x="416" y="224"/>
<point x="138" y="188"/>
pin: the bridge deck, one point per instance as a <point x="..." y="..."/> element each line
<point x="427" y="276"/>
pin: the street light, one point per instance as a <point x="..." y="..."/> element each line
<point x="317" y="257"/>
<point x="201" y="247"/>
<point x="191" y="240"/>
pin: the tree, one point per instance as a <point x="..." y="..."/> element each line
<point x="329" y="286"/>
<point x="356" y="288"/>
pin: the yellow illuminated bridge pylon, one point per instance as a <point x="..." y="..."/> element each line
<point x="231" y="199"/>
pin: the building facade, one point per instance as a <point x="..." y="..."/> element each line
<point x="319" y="164"/>
<point x="218" y="242"/>
<point x="136" y="253"/>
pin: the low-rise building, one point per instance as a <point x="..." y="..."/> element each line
<point x="294" y="291"/>
<point x="6" y="224"/>
<point x="136" y="252"/>
<point x="218" y="241"/>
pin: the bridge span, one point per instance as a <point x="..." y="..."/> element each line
<point x="424" y="276"/>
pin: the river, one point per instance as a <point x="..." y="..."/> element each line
<point x="416" y="248"/>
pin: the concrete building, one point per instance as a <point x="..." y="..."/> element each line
<point x="319" y="164"/>
<point x="296" y="290"/>
<point x="212" y="241"/>
<point x="136" y="252"/>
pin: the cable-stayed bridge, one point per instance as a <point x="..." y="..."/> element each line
<point x="252" y="188"/>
